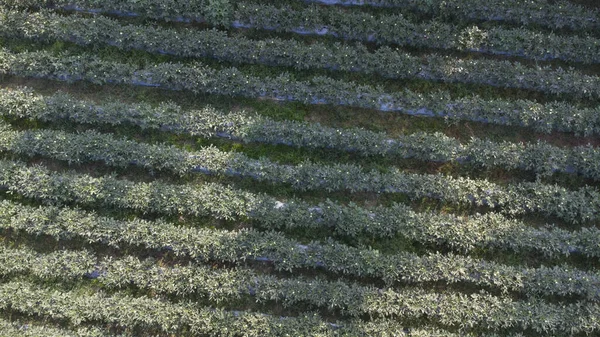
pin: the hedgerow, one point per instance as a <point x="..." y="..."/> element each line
<point x="464" y="234"/>
<point x="362" y="26"/>
<point x="382" y="268"/>
<point x="290" y="255"/>
<point x="217" y="285"/>
<point x="396" y="29"/>
<point x="100" y="31"/>
<point x="451" y="309"/>
<point x="574" y="206"/>
<point x="21" y="329"/>
<point x="153" y="313"/>
<point x="549" y="14"/>
<point x="541" y="157"/>
<point x="198" y="78"/>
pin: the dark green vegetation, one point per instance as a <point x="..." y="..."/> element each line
<point x="292" y="168"/>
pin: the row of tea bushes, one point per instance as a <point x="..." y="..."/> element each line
<point x="220" y="201"/>
<point x="455" y="310"/>
<point x="482" y="311"/>
<point x="217" y="12"/>
<point x="396" y="29"/>
<point x="21" y="329"/>
<point x="362" y="26"/>
<point x="246" y="127"/>
<point x="464" y="234"/>
<point x="198" y="78"/>
<point x="539" y="13"/>
<point x="290" y="255"/>
<point x="101" y="31"/>
<point x="217" y="285"/>
<point x="573" y="206"/>
<point x="158" y="315"/>
<point x="542" y="158"/>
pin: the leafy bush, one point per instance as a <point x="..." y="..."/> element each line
<point x="100" y="31"/>
<point x="549" y="14"/>
<point x="450" y="308"/>
<point x="197" y="77"/>
<point x="382" y="29"/>
<point x="219" y="12"/>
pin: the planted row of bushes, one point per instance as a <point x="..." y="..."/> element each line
<point x="154" y="314"/>
<point x="396" y="29"/>
<point x="217" y="12"/>
<point x="540" y="157"/>
<point x="287" y="254"/>
<point x="381" y="29"/>
<point x="94" y="146"/>
<point x="548" y="14"/>
<point x="463" y="234"/>
<point x="467" y="311"/>
<point x="243" y="126"/>
<point x="573" y="206"/>
<point x="21" y="329"/>
<point x="540" y="13"/>
<point x="449" y="308"/>
<point x="216" y="285"/>
<point x="199" y="78"/>
<point x="223" y="202"/>
<point x="48" y="27"/>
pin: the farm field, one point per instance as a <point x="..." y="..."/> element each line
<point x="299" y="168"/>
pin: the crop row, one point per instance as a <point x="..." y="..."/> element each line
<point x="224" y="202"/>
<point x="243" y="126"/>
<point x="541" y="157"/>
<point x="156" y="314"/>
<point x="216" y="12"/>
<point x="542" y="13"/>
<point x="199" y="78"/>
<point x="553" y="15"/>
<point x="362" y="26"/>
<point x="94" y="146"/>
<point x="47" y="26"/>
<point x="216" y="285"/>
<point x="396" y="29"/>
<point x="19" y="329"/>
<point x="479" y="310"/>
<point x="573" y="206"/>
<point x="287" y="254"/>
<point x="453" y="309"/>
<point x="463" y="234"/>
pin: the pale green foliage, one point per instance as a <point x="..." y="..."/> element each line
<point x="555" y="300"/>
<point x="550" y="14"/>
<point x="198" y="78"/>
<point x="21" y="329"/>
<point x="286" y="254"/>
<point x="541" y="157"/>
<point x="219" y="11"/>
<point x="388" y="62"/>
<point x="451" y="309"/>
<point x="382" y="29"/>
<point x="223" y="202"/>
